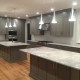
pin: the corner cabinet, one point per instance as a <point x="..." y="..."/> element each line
<point x="34" y="26"/>
<point x="63" y="28"/>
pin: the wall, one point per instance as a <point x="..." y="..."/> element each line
<point x="63" y="40"/>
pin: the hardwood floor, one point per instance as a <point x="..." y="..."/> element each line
<point x="15" y="71"/>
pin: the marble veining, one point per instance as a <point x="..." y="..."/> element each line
<point x="67" y="58"/>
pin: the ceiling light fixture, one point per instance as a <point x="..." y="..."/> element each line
<point x="6" y="26"/>
<point x="14" y="25"/>
<point x="5" y="15"/>
<point x="52" y="9"/>
<point x="74" y="3"/>
<point x="27" y="16"/>
<point x="18" y="17"/>
<point x="40" y="26"/>
<point x="54" y="21"/>
<point x="41" y="20"/>
<point x="10" y="25"/>
<point x="37" y="13"/>
<point x="72" y="17"/>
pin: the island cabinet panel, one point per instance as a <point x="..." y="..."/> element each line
<point x="42" y="69"/>
<point x="12" y="54"/>
<point x="75" y="74"/>
<point x="51" y="70"/>
<point x="62" y="72"/>
<point x="42" y="63"/>
<point x="34" y="66"/>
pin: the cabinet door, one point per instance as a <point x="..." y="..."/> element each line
<point x="20" y="27"/>
<point x="2" y="26"/>
<point x="56" y="29"/>
<point x="34" y="26"/>
<point x="33" y="66"/>
<point x="63" y="72"/>
<point x="51" y="70"/>
<point x="67" y="27"/>
<point x="47" y="19"/>
<point x="20" y="30"/>
<point x="42" y="64"/>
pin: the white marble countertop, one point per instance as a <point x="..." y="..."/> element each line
<point x="67" y="58"/>
<point x="10" y="43"/>
<point x="72" y="45"/>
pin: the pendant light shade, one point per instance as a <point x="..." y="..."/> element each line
<point x="14" y="25"/>
<point x="72" y="17"/>
<point x="54" y="21"/>
<point x="6" y="26"/>
<point x="41" y="20"/>
<point x="10" y="24"/>
<point x="40" y="26"/>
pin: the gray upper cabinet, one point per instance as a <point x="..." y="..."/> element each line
<point x="34" y="26"/>
<point x="67" y="27"/>
<point x="63" y="28"/>
<point x="2" y="26"/>
<point x="56" y="29"/>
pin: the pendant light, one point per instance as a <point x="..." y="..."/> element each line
<point x="40" y="26"/>
<point x="54" y="21"/>
<point x="14" y="25"/>
<point x="6" y="26"/>
<point x="41" y="21"/>
<point x="72" y="17"/>
<point x="10" y="24"/>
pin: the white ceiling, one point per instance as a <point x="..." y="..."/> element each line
<point x="19" y="8"/>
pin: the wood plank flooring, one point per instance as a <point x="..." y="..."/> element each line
<point x="15" y="71"/>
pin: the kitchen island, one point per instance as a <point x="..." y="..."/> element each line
<point x="53" y="64"/>
<point x="10" y="51"/>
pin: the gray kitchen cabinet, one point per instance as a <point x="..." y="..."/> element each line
<point x="2" y="26"/>
<point x="20" y="31"/>
<point x="56" y="29"/>
<point x="47" y="19"/>
<point x="67" y="27"/>
<point x="20" y="27"/>
<point x="63" y="28"/>
<point x="34" y="26"/>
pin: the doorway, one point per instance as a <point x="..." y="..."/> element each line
<point x="28" y="32"/>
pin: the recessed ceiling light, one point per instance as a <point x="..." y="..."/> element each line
<point x="5" y="15"/>
<point x="18" y="17"/>
<point x="37" y="13"/>
<point x="74" y="3"/>
<point x="26" y="15"/>
<point x="52" y="9"/>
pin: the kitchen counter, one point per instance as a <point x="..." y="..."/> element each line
<point x="67" y="58"/>
<point x="10" y="51"/>
<point x="10" y="43"/>
<point x="53" y="64"/>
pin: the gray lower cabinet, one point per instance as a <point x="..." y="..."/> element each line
<point x="34" y="26"/>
